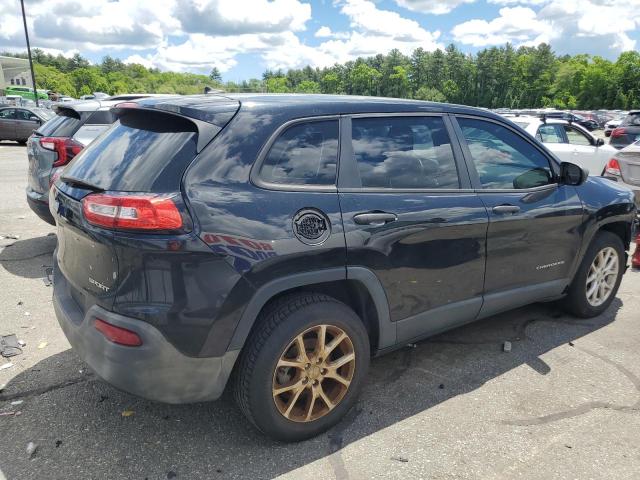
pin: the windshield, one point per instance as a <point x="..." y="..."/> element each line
<point x="633" y="120"/>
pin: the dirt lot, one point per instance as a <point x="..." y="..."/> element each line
<point x="563" y="404"/>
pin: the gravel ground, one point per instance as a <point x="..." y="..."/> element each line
<point x="563" y="404"/>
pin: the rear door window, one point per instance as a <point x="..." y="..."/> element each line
<point x="404" y="153"/>
<point x="304" y="154"/>
<point x="140" y="153"/>
<point x="7" y="114"/>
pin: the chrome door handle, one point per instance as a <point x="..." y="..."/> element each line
<point x="505" y="209"/>
<point x="374" y="218"/>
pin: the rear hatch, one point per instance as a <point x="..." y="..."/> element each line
<point x="102" y="199"/>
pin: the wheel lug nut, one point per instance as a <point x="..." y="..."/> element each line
<point x="307" y="366"/>
<point x="305" y="380"/>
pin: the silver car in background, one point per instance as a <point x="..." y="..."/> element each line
<point x="624" y="168"/>
<point x="18" y="123"/>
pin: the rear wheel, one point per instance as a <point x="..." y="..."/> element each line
<point x="301" y="370"/>
<point x="598" y="278"/>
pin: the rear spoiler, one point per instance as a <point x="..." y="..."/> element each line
<point x="66" y="111"/>
<point x="209" y="114"/>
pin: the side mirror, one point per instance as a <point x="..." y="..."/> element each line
<point x="33" y="118"/>
<point x="599" y="142"/>
<point x="572" y="174"/>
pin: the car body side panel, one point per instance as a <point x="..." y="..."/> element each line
<point x="602" y="206"/>
<point x="251" y="228"/>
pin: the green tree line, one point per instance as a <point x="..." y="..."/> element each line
<point x="526" y="77"/>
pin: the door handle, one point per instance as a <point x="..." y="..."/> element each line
<point x="374" y="218"/>
<point x="505" y="209"/>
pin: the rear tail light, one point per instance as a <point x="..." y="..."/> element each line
<point x="613" y="167"/>
<point x="618" y="132"/>
<point x="66" y="148"/>
<point x="146" y="212"/>
<point x="119" y="335"/>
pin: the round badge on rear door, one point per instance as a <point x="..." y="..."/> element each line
<point x="311" y="226"/>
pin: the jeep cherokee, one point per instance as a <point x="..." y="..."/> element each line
<point x="279" y="241"/>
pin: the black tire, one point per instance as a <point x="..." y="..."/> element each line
<point x="22" y="142"/>
<point x="277" y="326"/>
<point x="576" y="301"/>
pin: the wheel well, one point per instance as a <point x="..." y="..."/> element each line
<point x="621" y="229"/>
<point x="350" y="292"/>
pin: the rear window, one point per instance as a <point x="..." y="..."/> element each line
<point x="140" y="153"/>
<point x="633" y="119"/>
<point x="64" y="124"/>
<point x="101" y="117"/>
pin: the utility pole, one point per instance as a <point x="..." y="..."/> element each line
<point x="26" y="34"/>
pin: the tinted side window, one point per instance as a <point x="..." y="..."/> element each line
<point x="404" y="152"/>
<point x="503" y="159"/>
<point x="304" y="154"/>
<point x="550" y="134"/>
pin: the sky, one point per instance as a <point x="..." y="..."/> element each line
<point x="243" y="38"/>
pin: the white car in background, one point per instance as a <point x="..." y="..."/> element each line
<point x="568" y="141"/>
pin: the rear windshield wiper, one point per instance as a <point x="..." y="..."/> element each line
<point x="74" y="182"/>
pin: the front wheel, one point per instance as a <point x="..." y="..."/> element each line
<point x="598" y="278"/>
<point x="303" y="367"/>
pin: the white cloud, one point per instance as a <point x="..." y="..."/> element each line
<point x="326" y="32"/>
<point x="597" y="27"/>
<point x="435" y="7"/>
<point x="373" y="31"/>
<point x="517" y="25"/>
<point x="237" y="17"/>
<point x="365" y="16"/>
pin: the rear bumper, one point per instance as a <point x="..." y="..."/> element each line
<point x="155" y="370"/>
<point x="39" y="204"/>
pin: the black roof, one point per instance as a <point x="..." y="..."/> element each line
<point x="302" y="105"/>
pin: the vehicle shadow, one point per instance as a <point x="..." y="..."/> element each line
<point x="26" y="258"/>
<point x="79" y="424"/>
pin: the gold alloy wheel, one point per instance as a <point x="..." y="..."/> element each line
<point x="314" y="373"/>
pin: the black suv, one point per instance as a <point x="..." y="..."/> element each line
<point x="281" y="241"/>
